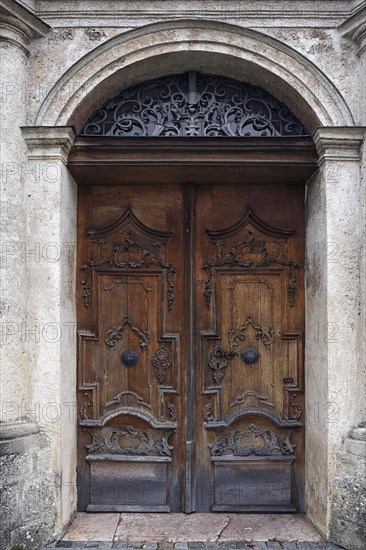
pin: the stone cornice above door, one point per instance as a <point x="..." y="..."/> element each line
<point x="118" y="13"/>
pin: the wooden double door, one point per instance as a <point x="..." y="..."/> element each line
<point x="190" y="324"/>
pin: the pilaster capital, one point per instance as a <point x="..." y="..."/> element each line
<point x="18" y="24"/>
<point x="49" y="142"/>
<point x="354" y="28"/>
<point x="339" y="143"/>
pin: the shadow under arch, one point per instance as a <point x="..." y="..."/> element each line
<point x="207" y="46"/>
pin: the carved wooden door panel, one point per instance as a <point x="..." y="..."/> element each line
<point x="131" y="344"/>
<point x="190" y="348"/>
<point x="249" y="341"/>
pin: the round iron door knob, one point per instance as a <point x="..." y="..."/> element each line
<point x="129" y="358"/>
<point x="249" y="355"/>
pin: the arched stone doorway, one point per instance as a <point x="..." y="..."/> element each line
<point x="233" y="52"/>
<point x="191" y="299"/>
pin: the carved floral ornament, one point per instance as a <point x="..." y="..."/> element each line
<point x="161" y="362"/>
<point x="193" y="104"/>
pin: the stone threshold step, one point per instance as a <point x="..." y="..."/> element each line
<point x="227" y="545"/>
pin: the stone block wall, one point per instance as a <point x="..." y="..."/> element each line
<point x="27" y="487"/>
<point x="348" y="523"/>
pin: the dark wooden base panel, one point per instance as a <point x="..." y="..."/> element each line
<point x="136" y="487"/>
<point x="252" y="485"/>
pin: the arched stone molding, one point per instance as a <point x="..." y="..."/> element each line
<point x="170" y="47"/>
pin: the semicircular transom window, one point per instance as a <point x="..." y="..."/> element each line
<point x="193" y="104"/>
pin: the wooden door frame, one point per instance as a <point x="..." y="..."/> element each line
<point x="179" y="160"/>
<point x="111" y="160"/>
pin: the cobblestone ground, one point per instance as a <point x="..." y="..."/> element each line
<point x="234" y="545"/>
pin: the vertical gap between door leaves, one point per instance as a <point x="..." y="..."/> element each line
<point x="189" y="504"/>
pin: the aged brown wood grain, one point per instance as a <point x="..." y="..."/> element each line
<point x="180" y="280"/>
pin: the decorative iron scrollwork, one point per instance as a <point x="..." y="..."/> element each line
<point x="219" y="360"/>
<point x="193" y="104"/>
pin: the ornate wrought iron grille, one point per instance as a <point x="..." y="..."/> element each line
<point x="193" y="104"/>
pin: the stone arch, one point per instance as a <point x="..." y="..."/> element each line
<point x="250" y="56"/>
<point x="207" y="46"/>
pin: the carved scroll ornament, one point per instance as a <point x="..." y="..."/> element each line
<point x="238" y="335"/>
<point x="117" y="258"/>
<point x="207" y="409"/>
<point x="115" y="333"/>
<point x="246" y="443"/>
<point x="146" y="443"/>
<point x="295" y="407"/>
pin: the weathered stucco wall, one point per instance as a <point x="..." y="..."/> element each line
<point x="58" y="70"/>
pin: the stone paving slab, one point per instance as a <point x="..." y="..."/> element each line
<point x="270" y="527"/>
<point x="207" y="527"/>
<point x="93" y="527"/>
<point x="175" y="527"/>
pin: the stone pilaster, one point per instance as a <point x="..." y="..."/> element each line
<point x="26" y="480"/>
<point x="17" y="27"/>
<point x="335" y="318"/>
<point x="51" y="303"/>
